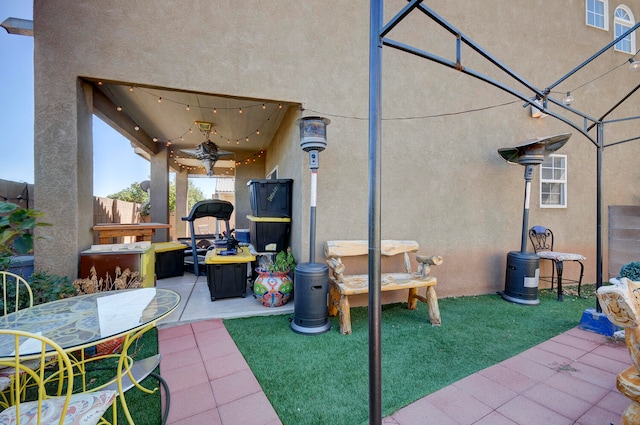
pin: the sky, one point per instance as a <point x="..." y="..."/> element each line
<point x="113" y="155"/>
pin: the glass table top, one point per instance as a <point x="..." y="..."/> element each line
<point x="86" y="320"/>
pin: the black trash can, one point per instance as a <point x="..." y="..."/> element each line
<point x="311" y="288"/>
<point x="521" y="281"/>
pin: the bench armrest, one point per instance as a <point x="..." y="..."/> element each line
<point x="336" y="268"/>
<point x="425" y="263"/>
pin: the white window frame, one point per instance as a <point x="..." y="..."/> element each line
<point x="561" y="181"/>
<point x="620" y="25"/>
<point x="590" y="12"/>
<point x="273" y="174"/>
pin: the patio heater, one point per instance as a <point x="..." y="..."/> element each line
<point x="523" y="268"/>
<point x="311" y="280"/>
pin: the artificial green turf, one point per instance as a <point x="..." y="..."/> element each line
<point x="315" y="379"/>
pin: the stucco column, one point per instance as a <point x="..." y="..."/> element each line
<point x="160" y="192"/>
<point x="182" y="188"/>
<point x="63" y="163"/>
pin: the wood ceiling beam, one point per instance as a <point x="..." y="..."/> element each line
<point x="106" y="110"/>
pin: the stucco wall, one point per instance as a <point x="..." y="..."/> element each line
<point x="443" y="182"/>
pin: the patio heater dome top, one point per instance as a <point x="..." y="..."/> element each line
<point x="534" y="151"/>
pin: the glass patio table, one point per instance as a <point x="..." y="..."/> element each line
<point x="85" y="321"/>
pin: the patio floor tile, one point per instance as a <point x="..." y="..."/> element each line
<point x="191" y="402"/>
<point x="598" y="416"/>
<point x="181" y="358"/>
<point x="523" y="410"/>
<point x="458" y="405"/>
<point x="253" y="409"/>
<point x="484" y="389"/>
<point x="558" y="401"/>
<point x="234" y="386"/>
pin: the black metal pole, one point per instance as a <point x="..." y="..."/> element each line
<point x="600" y="139"/>
<point x="375" y="309"/>
<point x="528" y="175"/>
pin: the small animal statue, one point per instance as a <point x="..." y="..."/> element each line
<point x="621" y="303"/>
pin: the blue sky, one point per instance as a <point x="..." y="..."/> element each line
<point x="113" y="156"/>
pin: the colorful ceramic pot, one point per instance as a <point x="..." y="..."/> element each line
<point x="273" y="289"/>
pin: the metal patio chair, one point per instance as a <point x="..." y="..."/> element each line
<point x="54" y="401"/>
<point x="542" y="241"/>
<point x="16" y="292"/>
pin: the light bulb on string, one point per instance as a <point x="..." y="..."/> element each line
<point x="568" y="99"/>
<point x="159" y="100"/>
<point x="136" y="128"/>
<point x="240" y="110"/>
<point x="264" y="106"/>
<point x="131" y="88"/>
<point x="215" y="111"/>
<point x="188" y="108"/>
<point x="119" y="108"/>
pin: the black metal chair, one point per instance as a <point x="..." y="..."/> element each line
<point x="221" y="210"/>
<point x="542" y="241"/>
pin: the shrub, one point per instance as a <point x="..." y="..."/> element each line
<point x="49" y="287"/>
<point x="631" y="271"/>
<point x="16" y="231"/>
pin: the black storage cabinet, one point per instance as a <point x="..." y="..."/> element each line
<point x="270" y="198"/>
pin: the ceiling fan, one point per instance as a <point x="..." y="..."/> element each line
<point x="207" y="151"/>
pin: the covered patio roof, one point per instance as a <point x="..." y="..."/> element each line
<point x="150" y="117"/>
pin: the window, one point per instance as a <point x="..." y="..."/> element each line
<point x="273" y="174"/>
<point x="622" y="21"/>
<point x="597" y="12"/>
<point x="553" y="182"/>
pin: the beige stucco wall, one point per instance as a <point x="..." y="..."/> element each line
<point x="443" y="182"/>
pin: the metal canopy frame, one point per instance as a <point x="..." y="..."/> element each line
<point x="378" y="39"/>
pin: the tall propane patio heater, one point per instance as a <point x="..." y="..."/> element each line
<point x="311" y="280"/>
<point x="523" y="268"/>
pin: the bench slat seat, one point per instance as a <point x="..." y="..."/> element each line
<point x="359" y="283"/>
<point x="343" y="285"/>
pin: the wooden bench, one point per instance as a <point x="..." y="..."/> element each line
<point x="342" y="285"/>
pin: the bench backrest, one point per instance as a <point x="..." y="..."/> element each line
<point x="354" y="254"/>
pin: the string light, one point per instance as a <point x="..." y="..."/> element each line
<point x="239" y="110"/>
<point x="568" y="99"/>
<point x="136" y="128"/>
<point x="215" y="111"/>
<point x="188" y="108"/>
<point x="119" y="108"/>
<point x="131" y="88"/>
<point x="159" y="100"/>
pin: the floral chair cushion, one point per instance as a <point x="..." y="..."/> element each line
<point x="560" y="256"/>
<point x="83" y="409"/>
<point x="4" y="383"/>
